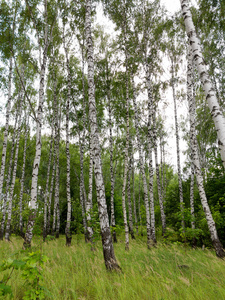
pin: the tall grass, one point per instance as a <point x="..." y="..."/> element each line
<point x="165" y="272"/>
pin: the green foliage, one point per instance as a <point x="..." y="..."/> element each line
<point x="32" y="272"/>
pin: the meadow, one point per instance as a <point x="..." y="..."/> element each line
<point x="167" y="271"/>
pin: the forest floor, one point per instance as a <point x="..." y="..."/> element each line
<point x="168" y="271"/>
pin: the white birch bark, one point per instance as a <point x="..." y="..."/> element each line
<point x="108" y="250"/>
<point x="46" y="194"/>
<point x="150" y="149"/>
<point x="23" y="177"/>
<point x="83" y="195"/>
<point x="130" y="214"/>
<point x="34" y="183"/>
<point x="178" y="148"/>
<point x="141" y="160"/>
<point x="139" y="199"/>
<point x="11" y="190"/>
<point x="207" y="86"/>
<point x="5" y="139"/>
<point x="57" y="175"/>
<point x="163" y="218"/>
<point x="89" y="199"/>
<point x="68" y="196"/>
<point x="51" y="193"/>
<point x="112" y="175"/>
<point x="134" y="198"/>
<point x="9" y="177"/>
<point x="195" y="159"/>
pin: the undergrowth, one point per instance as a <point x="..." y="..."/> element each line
<point x="168" y="271"/>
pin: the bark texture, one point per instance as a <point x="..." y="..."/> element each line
<point x="195" y="159"/>
<point x="150" y="149"/>
<point x="68" y="196"/>
<point x="34" y="183"/>
<point x="178" y="148"/>
<point x="46" y="195"/>
<point x="4" y="147"/>
<point x="207" y="85"/>
<point x="11" y="190"/>
<point x="23" y="177"/>
<point x="141" y="160"/>
<point x="108" y="250"/>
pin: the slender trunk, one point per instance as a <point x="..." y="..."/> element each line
<point x="33" y="200"/>
<point x="89" y="200"/>
<point x="11" y="191"/>
<point x="83" y="213"/>
<point x="195" y="159"/>
<point x="134" y="199"/>
<point x="4" y="148"/>
<point x="68" y="196"/>
<point x="113" y="221"/>
<point x="178" y="149"/>
<point x="151" y="173"/>
<point x="163" y="218"/>
<point x="51" y="192"/>
<point x="161" y="167"/>
<point x="141" y="160"/>
<point x="131" y="227"/>
<point x="126" y="166"/>
<point x="90" y="183"/>
<point x="192" y="200"/>
<point x="207" y="86"/>
<point x="8" y="180"/>
<point x="23" y="177"/>
<point x="46" y="189"/>
<point x="57" y="177"/>
<point x="108" y="250"/>
<point x="139" y="202"/>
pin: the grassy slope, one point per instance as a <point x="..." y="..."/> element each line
<point x="165" y="272"/>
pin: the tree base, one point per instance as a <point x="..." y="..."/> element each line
<point x="219" y="249"/>
<point x="68" y="240"/>
<point x="114" y="237"/>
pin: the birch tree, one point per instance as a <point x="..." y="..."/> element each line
<point x="43" y="48"/>
<point x="11" y="190"/>
<point x="207" y="85"/>
<point x="108" y="250"/>
<point x="195" y="159"/>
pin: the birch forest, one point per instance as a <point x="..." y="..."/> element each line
<point x="112" y="143"/>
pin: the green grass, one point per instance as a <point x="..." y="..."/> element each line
<point x="165" y="272"/>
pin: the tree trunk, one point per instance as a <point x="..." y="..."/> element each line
<point x="141" y="160"/>
<point x="23" y="177"/>
<point x="46" y="189"/>
<point x="9" y="177"/>
<point x="113" y="221"/>
<point x="195" y="159"/>
<point x="134" y="199"/>
<point x="130" y="214"/>
<point x="150" y="147"/>
<point x="68" y="196"/>
<point x="163" y="217"/>
<point x="4" y="148"/>
<point x="178" y="149"/>
<point x="51" y="192"/>
<point x="89" y="199"/>
<point x="56" y="151"/>
<point x="33" y="200"/>
<point x="57" y="176"/>
<point x="207" y="86"/>
<point x="108" y="250"/>
<point x="11" y="191"/>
